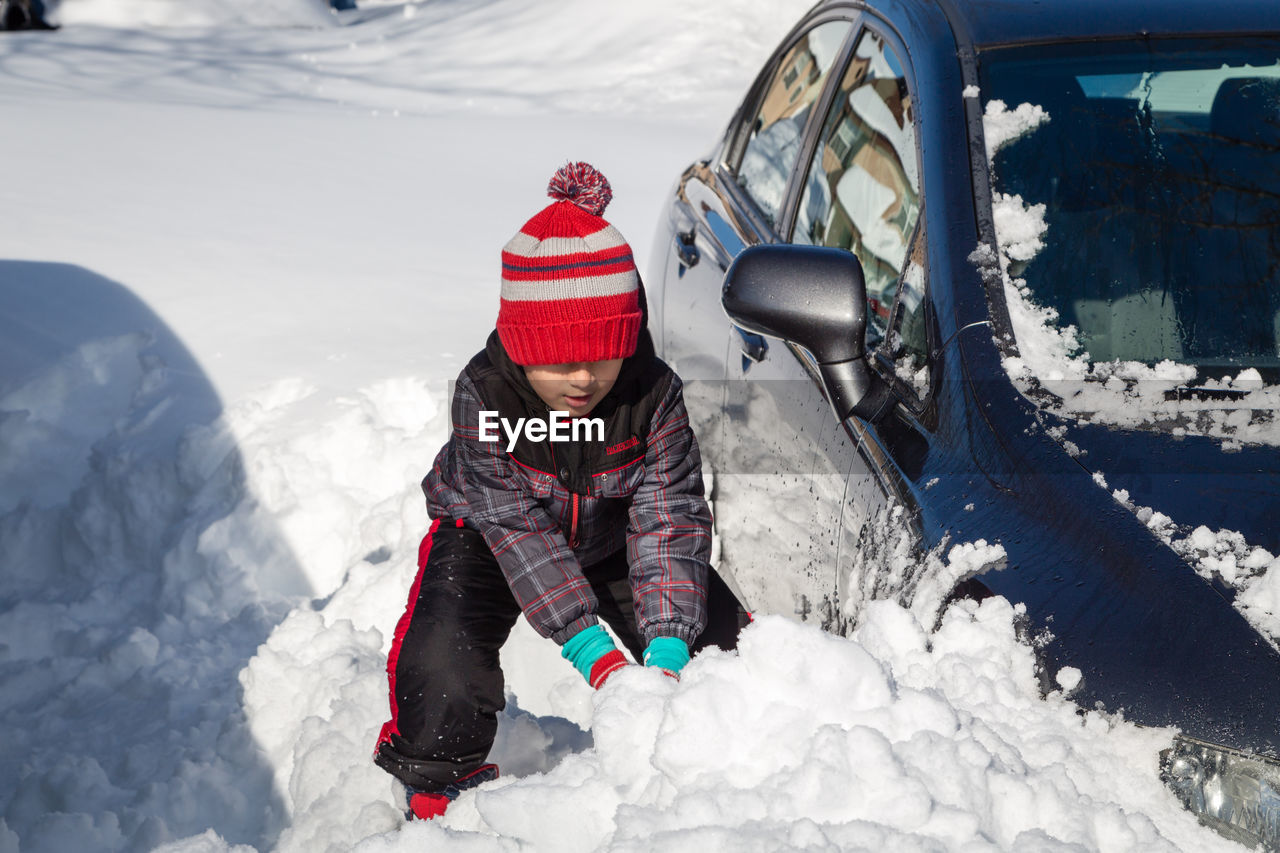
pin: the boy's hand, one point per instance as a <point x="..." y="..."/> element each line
<point x="605" y="667"/>
<point x="669" y="654"/>
<point x="592" y="653"/>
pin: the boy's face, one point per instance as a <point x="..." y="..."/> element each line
<point x="574" y="388"/>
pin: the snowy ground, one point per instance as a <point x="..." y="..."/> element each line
<point x="241" y="261"/>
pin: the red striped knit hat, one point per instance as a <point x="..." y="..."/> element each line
<point x="570" y="290"/>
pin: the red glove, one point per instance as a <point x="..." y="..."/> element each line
<point x="606" y="666"/>
<point x="592" y="653"/>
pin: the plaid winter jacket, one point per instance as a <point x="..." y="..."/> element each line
<point x="549" y="511"/>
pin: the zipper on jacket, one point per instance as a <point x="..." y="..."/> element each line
<point x="573" y="520"/>
<point x="573" y="500"/>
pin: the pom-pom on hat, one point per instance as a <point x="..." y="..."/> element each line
<point x="570" y="289"/>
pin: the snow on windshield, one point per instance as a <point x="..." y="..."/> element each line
<point x="1051" y="356"/>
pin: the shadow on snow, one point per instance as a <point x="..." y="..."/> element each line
<point x="121" y="637"/>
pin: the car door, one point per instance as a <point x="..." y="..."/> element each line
<point x="695" y="332"/>
<point x="779" y="502"/>
<point x="862" y="192"/>
<point x="814" y="514"/>
<point x="723" y="206"/>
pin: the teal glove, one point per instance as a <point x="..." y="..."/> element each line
<point x="592" y="653"/>
<point x="668" y="654"/>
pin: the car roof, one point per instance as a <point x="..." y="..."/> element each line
<point x="996" y="22"/>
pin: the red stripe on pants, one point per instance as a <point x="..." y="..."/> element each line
<point x="392" y="726"/>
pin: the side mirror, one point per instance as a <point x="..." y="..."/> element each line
<point x="814" y="298"/>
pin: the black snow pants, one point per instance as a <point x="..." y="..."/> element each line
<point x="443" y="668"/>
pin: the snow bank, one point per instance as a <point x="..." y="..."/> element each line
<point x="896" y="739"/>
<point x="144" y="576"/>
<point x="118" y="636"/>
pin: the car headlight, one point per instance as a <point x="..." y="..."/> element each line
<point x="1231" y="791"/>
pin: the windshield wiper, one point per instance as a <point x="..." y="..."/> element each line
<point x="1201" y="394"/>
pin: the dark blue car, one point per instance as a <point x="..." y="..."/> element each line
<point x="1009" y="271"/>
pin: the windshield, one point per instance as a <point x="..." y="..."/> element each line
<point x="1159" y="171"/>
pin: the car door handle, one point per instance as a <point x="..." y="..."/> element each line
<point x="686" y="247"/>
<point x="754" y="348"/>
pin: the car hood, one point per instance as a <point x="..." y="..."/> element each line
<point x="1193" y="480"/>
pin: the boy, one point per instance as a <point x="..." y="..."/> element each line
<point x="586" y="504"/>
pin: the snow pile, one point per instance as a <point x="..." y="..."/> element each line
<point x="118" y="636"/>
<point x="335" y="477"/>
<point x="146" y="562"/>
<point x="315" y="697"/>
<point x="1051" y="357"/>
<point x="917" y="742"/>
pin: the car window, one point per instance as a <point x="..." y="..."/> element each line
<point x="909" y="343"/>
<point x="1155" y="180"/>
<point x="773" y="143"/>
<point x="862" y="191"/>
